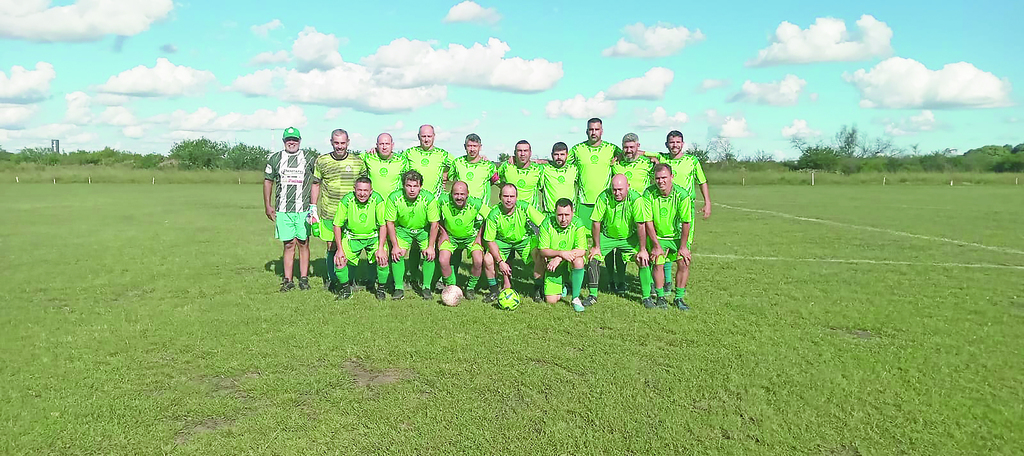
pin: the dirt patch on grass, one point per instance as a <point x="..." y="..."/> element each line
<point x="858" y="333"/>
<point x="843" y="450"/>
<point x="366" y="376"/>
<point x="229" y="386"/>
<point x="205" y="426"/>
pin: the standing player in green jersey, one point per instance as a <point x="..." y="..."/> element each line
<point x="336" y="175"/>
<point x="522" y="173"/>
<point x="633" y="165"/>
<point x="462" y="220"/>
<point x="431" y="162"/>
<point x="472" y="169"/>
<point x="618" y="224"/>
<point x="668" y="210"/>
<point x="385" y="167"/>
<point x="594" y="158"/>
<point x="411" y="215"/>
<point x="558" y="178"/>
<point x="289" y="175"/>
<point x="506" y="231"/>
<point x="361" y="213"/>
<point x="562" y="244"/>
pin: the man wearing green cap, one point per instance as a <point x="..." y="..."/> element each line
<point x="289" y="176"/>
<point x="431" y="162"/>
<point x="335" y="175"/>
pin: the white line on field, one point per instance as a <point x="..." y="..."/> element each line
<point x="880" y="230"/>
<point x="855" y="261"/>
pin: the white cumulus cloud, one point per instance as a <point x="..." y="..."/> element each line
<point x="207" y="120"/>
<point x="660" y="119"/>
<point x="711" y="84"/>
<point x="164" y="79"/>
<point x="405" y="63"/>
<point x="734" y="126"/>
<point x="780" y="93"/>
<point x="84" y="20"/>
<point x="827" y="40"/>
<point x="16" y="116"/>
<point x="78" y="108"/>
<point x="118" y="116"/>
<point x="26" y="86"/>
<point x="269" y="58"/>
<point x="469" y="11"/>
<point x="264" y="29"/>
<point x="799" y="129"/>
<point x="134" y="131"/>
<point x="651" y="86"/>
<point x="905" y="83"/>
<point x="923" y="122"/>
<point x="659" y="40"/>
<point x="316" y="51"/>
<point x="579" y="107"/>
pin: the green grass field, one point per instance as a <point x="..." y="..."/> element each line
<point x="142" y="319"/>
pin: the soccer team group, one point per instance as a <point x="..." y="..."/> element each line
<point x="561" y="218"/>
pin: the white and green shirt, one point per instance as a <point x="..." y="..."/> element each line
<point x="293" y="179"/>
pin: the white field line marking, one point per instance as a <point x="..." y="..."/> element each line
<point x="855" y="261"/>
<point x="880" y="230"/>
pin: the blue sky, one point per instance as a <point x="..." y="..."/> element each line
<point x="143" y="75"/>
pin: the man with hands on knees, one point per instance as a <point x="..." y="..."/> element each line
<point x="359" y="225"/>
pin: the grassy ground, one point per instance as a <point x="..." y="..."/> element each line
<point x="144" y="319"/>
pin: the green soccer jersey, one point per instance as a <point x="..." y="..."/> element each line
<point x="526" y="180"/>
<point x="431" y="164"/>
<point x="292" y="175"/>
<point x="595" y="163"/>
<point x="511" y="228"/>
<point x="618" y="218"/>
<point x="477" y="176"/>
<point x="686" y="170"/>
<point x="385" y="175"/>
<point x="462" y="223"/>
<point x="555" y="237"/>
<point x="337" y="179"/>
<point x="637" y="172"/>
<point x="667" y="212"/>
<point x="558" y="183"/>
<point x="413" y="215"/>
<point x="360" y="220"/>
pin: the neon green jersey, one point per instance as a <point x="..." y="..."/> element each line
<point x="668" y="212"/>
<point x="637" y="172"/>
<point x="360" y="220"/>
<point x="511" y="228"/>
<point x="526" y="180"/>
<point x="476" y="175"/>
<point x="431" y="164"/>
<point x="555" y="237"/>
<point x="337" y="178"/>
<point x="385" y="175"/>
<point x="558" y="182"/>
<point x="413" y="215"/>
<point x="618" y="218"/>
<point x="686" y="170"/>
<point x="462" y="223"/>
<point x="595" y="164"/>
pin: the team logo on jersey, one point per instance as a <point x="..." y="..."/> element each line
<point x="362" y="218"/>
<point x="425" y="161"/>
<point x="521" y="183"/>
<point x="664" y="212"/>
<point x="459" y="222"/>
<point x="383" y="172"/>
<point x="561" y="179"/>
<point x="469" y="175"/>
<point x="561" y="243"/>
<point x="594" y="158"/>
<point x="348" y="168"/>
<point x="629" y="174"/>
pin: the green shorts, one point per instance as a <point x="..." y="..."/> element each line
<point x="671" y="248"/>
<point x="324" y="229"/>
<point x="291" y="225"/>
<point x="628" y="247"/>
<point x="353" y="247"/>
<point x="554" y="280"/>
<point x="452" y="244"/>
<point x="524" y="248"/>
<point x="406" y="237"/>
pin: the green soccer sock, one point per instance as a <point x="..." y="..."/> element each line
<point x="680" y="292"/>
<point x="341" y="274"/>
<point x="660" y="292"/>
<point x="577" y="282"/>
<point x="668" y="273"/>
<point x="471" y="284"/>
<point x="492" y="282"/>
<point x="428" y="273"/>
<point x="398" y="268"/>
<point x="382" y="274"/>
<point x="646" y="281"/>
<point x="450" y="280"/>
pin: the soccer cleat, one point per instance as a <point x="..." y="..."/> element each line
<point x="287" y="285"/>
<point x="344" y="292"/>
<point x="491" y="296"/>
<point x="648" y="303"/>
<point x="470" y="294"/>
<point x="662" y="303"/>
<point x="303" y="283"/>
<point x="577" y="305"/>
<point x="680" y="304"/>
<point x="426" y="294"/>
<point x="381" y="294"/>
<point x="398" y="294"/>
<point x="589" y="301"/>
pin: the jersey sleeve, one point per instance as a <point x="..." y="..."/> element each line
<point x="638" y="210"/>
<point x="270" y="172"/>
<point x="570" y="158"/>
<point x="491" y="227"/>
<point x="579" y="240"/>
<point x="391" y="209"/>
<point x="646" y="208"/>
<point x="698" y="171"/>
<point x="501" y="172"/>
<point x="685" y="211"/>
<point x="434" y="210"/>
<point x="317" y="174"/>
<point x="342" y="213"/>
<point x="544" y="242"/>
<point x="534" y="215"/>
<point x="599" y="209"/>
<point x="378" y="212"/>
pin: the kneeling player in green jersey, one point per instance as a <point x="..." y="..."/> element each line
<point x="506" y="232"/>
<point x="619" y="222"/>
<point x="411" y="215"/>
<point x="462" y="219"/>
<point x="667" y="208"/>
<point x="562" y="244"/>
<point x="361" y="213"/>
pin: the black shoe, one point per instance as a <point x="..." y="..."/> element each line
<point x="426" y="294"/>
<point x="381" y="294"/>
<point x="287" y="285"/>
<point x="303" y="283"/>
<point x="344" y="293"/>
<point x="470" y="294"/>
<point x="589" y="301"/>
<point x="662" y="303"/>
<point x="398" y="294"/>
<point x="619" y="289"/>
<point x="648" y="303"/>
<point x="491" y="296"/>
<point x="680" y="304"/>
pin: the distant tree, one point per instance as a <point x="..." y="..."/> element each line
<point x="700" y="152"/>
<point x="199" y="153"/>
<point x="847" y="141"/>
<point x="504" y="157"/>
<point x="762" y="157"/>
<point x="311" y="149"/>
<point x="819" y="157"/>
<point x="245" y="157"/>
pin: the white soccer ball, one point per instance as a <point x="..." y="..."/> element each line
<point x="451" y="295"/>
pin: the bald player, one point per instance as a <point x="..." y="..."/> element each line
<point x="431" y="162"/>
<point x="618" y="223"/>
<point x="462" y="219"/>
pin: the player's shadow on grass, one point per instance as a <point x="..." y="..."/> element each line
<point x="317" y="267"/>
